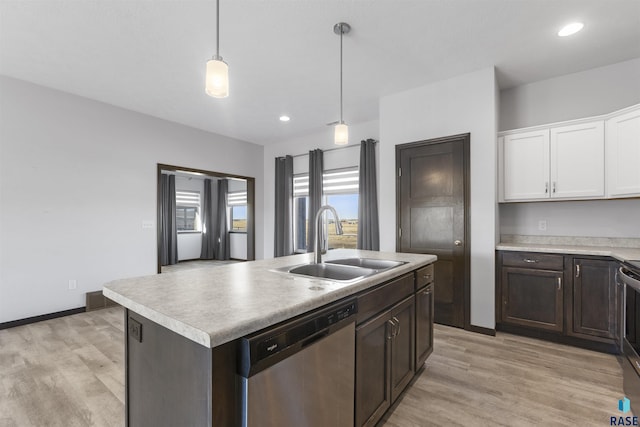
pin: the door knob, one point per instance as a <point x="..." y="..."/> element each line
<point x="458" y="243"/>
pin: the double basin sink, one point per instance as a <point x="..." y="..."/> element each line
<point x="343" y="270"/>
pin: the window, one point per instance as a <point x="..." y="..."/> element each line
<point x="237" y="202"/>
<point x="188" y="211"/>
<point x="340" y="191"/>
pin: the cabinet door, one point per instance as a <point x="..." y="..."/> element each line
<point x="424" y="324"/>
<point x="403" y="346"/>
<point x="532" y="298"/>
<point x="623" y="155"/>
<point x="526" y="166"/>
<point x="594" y="299"/>
<point x="577" y="161"/>
<point x="373" y="357"/>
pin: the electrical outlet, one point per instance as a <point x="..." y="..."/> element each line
<point x="73" y="284"/>
<point x="542" y="225"/>
<point x="135" y="329"/>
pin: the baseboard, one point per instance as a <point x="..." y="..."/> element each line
<point x="34" y="319"/>
<point x="482" y="330"/>
<point x="603" y="347"/>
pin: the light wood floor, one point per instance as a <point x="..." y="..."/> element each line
<point x="70" y="372"/>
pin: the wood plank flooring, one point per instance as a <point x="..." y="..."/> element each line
<point x="70" y="372"/>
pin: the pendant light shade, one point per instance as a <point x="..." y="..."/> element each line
<point x="217" y="84"/>
<point x="217" y="77"/>
<point x="341" y="135"/>
<point x="341" y="132"/>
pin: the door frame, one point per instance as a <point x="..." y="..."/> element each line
<point x="251" y="191"/>
<point x="466" y="172"/>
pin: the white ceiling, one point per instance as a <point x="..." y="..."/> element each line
<point x="149" y="56"/>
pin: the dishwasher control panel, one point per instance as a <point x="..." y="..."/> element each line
<point x="269" y="346"/>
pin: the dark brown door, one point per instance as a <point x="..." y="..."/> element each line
<point x="432" y="201"/>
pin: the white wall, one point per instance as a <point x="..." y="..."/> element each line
<point x="77" y="180"/>
<point x="588" y="93"/>
<point x="462" y="104"/>
<point x="302" y="145"/>
<point x="591" y="218"/>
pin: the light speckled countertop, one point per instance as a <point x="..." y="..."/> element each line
<point x="215" y="305"/>
<point x="622" y="254"/>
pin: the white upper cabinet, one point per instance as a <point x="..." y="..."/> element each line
<point x="525" y="162"/>
<point x="577" y="161"/>
<point x="591" y="158"/>
<point x="563" y="162"/>
<point x="623" y="154"/>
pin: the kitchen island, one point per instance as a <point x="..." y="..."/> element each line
<point x="183" y="328"/>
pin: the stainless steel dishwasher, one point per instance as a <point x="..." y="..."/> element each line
<point x="301" y="373"/>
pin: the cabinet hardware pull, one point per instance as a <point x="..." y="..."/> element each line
<point x="391" y="333"/>
<point x="554" y="187"/>
<point x="427" y="292"/>
<point x="578" y="270"/>
<point x="398" y="324"/>
<point x="546" y="187"/>
<point x="457" y="243"/>
<point x="426" y="276"/>
<point x="559" y="283"/>
<point x="529" y="260"/>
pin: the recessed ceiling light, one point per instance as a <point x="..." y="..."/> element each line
<point x="285" y="118"/>
<point x="570" y="29"/>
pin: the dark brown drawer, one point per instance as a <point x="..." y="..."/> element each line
<point x="533" y="260"/>
<point x="376" y="300"/>
<point x="424" y="276"/>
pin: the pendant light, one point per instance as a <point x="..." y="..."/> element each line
<point x="217" y="80"/>
<point x="341" y="135"/>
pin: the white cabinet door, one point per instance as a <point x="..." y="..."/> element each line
<point x="525" y="159"/>
<point x="577" y="161"/>
<point x="623" y="155"/>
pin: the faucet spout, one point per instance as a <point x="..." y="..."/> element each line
<point x="317" y="250"/>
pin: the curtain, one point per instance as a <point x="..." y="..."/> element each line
<point x="168" y="229"/>
<point x="223" y="250"/>
<point x="207" y="250"/>
<point x="368" y="230"/>
<point x="315" y="193"/>
<point x="283" y="227"/>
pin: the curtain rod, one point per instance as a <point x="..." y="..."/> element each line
<point x="332" y="149"/>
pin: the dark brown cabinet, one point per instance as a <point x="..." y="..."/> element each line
<point x="373" y="354"/>
<point x="574" y="299"/>
<point x="384" y="360"/>
<point x="595" y="299"/>
<point x="402" y="346"/>
<point x="532" y="290"/>
<point x="425" y="306"/>
<point x="532" y="298"/>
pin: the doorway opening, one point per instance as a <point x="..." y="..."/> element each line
<point x="204" y="218"/>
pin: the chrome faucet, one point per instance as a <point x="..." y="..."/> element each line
<point x="317" y="250"/>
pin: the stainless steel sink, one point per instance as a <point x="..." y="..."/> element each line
<point x="374" y="264"/>
<point x="337" y="272"/>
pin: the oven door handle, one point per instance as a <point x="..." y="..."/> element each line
<point x="634" y="283"/>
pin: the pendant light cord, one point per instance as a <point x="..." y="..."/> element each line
<point x="341" y="33"/>
<point x="217" y="29"/>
